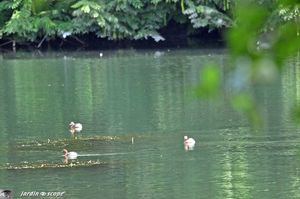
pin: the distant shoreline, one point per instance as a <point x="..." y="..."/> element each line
<point x="91" y="42"/>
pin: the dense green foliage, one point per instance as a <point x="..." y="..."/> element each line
<point x="36" y="20"/>
<point x="32" y="20"/>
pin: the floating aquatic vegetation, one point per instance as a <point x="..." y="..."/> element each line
<point x="45" y="165"/>
<point x="52" y="144"/>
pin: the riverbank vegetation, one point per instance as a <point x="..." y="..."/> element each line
<point x="41" y="23"/>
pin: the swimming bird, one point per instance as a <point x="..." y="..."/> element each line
<point x="75" y="127"/>
<point x="70" y="155"/>
<point x="189" y="143"/>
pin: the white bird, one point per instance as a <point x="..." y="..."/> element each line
<point x="189" y="143"/>
<point x="75" y="127"/>
<point x="70" y="155"/>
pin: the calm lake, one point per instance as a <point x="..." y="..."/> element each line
<point x="148" y="96"/>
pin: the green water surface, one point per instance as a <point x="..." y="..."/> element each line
<point x="147" y="95"/>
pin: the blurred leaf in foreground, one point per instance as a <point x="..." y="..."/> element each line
<point x="210" y="81"/>
<point x="296" y="114"/>
<point x="245" y="104"/>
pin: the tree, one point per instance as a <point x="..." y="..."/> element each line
<point x="37" y="20"/>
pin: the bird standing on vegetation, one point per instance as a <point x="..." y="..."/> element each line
<point x="75" y="128"/>
<point x="189" y="143"/>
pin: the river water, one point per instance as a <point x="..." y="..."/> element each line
<point x="147" y="96"/>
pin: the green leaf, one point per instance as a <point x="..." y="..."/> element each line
<point x="296" y="114"/>
<point x="288" y="43"/>
<point x="39" y="6"/>
<point x="245" y="104"/>
<point x="210" y="81"/>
